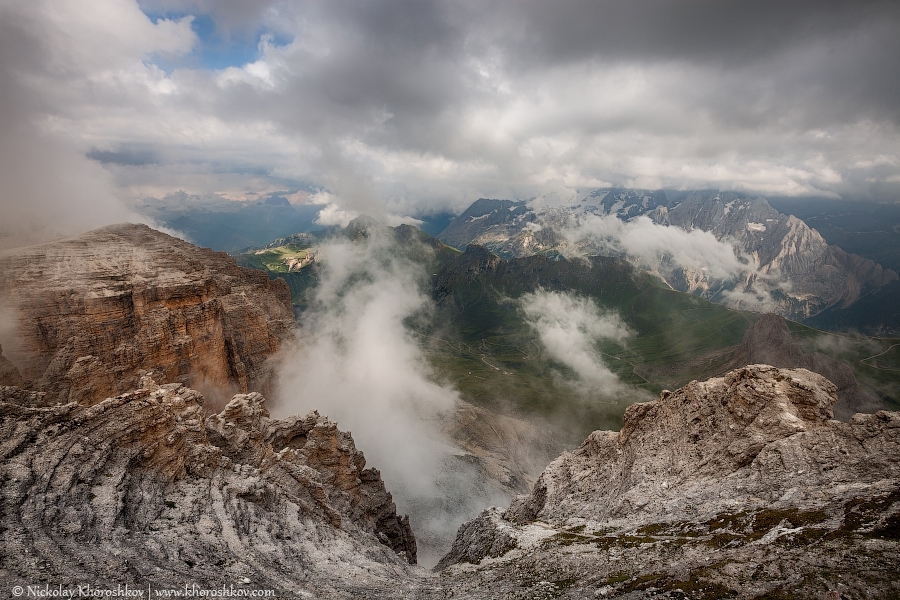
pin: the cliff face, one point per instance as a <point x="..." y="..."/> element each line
<point x="141" y="489"/>
<point x="89" y="313"/>
<point x="782" y="247"/>
<point x="738" y="486"/>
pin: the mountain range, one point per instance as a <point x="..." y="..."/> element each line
<point x="693" y="471"/>
<point x="764" y="260"/>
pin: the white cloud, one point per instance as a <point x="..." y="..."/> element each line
<point x="332" y="214"/>
<point x="658" y="246"/>
<point x="432" y="115"/>
<point x="570" y="327"/>
<point x="355" y="361"/>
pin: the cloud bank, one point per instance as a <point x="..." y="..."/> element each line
<point x="702" y="261"/>
<point x="415" y="107"/>
<point x="355" y="361"/>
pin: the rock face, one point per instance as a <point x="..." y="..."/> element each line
<point x="769" y="342"/>
<point x="781" y="246"/>
<point x="9" y="374"/>
<point x="739" y="486"/>
<point x="90" y="313"/>
<point x="140" y="489"/>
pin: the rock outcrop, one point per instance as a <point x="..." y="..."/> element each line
<point x="90" y="313"/>
<point x="782" y="247"/>
<point x="140" y="489"/>
<point x="739" y="486"/>
<point x="769" y="342"/>
<point x="9" y="374"/>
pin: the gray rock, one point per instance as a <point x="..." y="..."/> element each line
<point x="140" y="489"/>
<point x="740" y="486"/>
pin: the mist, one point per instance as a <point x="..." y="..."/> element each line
<point x="50" y="188"/>
<point x="697" y="256"/>
<point x="570" y="327"/>
<point x="355" y="361"/>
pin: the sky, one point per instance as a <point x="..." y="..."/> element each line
<point x="417" y="107"/>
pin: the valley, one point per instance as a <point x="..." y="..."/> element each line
<point x="485" y="332"/>
<point x="479" y="341"/>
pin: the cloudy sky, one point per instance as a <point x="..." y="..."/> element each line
<point x="416" y="107"/>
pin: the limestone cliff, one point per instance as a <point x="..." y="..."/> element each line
<point x="140" y="489"/>
<point x="739" y="486"/>
<point x="90" y="312"/>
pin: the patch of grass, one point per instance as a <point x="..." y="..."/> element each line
<point x="804" y="537"/>
<point x="565" y="538"/>
<point x="862" y="513"/>
<point x="723" y="540"/>
<point x="640" y="582"/>
<point x="697" y="587"/>
<point x="890" y="529"/>
<point x="284" y="259"/>
<point x="751" y="526"/>
<point x="617" y="578"/>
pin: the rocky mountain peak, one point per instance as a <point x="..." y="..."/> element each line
<point x="769" y="341"/>
<point x="703" y="489"/>
<point x="788" y="264"/>
<point x="140" y="487"/>
<point x="469" y="266"/>
<point x="89" y="313"/>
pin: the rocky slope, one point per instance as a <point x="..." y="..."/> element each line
<point x="83" y="316"/>
<point x="789" y="266"/>
<point x="739" y="486"/>
<point x="769" y="342"/>
<point x="140" y="489"/>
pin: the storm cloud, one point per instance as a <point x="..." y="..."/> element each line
<point x="411" y="108"/>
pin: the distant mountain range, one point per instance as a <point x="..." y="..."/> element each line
<point x="479" y="337"/>
<point x="730" y="248"/>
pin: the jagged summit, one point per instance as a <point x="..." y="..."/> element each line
<point x="140" y="489"/>
<point x="741" y="485"/>
<point x="790" y="268"/>
<point x="769" y="342"/>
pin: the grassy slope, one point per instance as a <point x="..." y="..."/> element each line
<point x="483" y="345"/>
<point x="275" y="260"/>
<point x="480" y="343"/>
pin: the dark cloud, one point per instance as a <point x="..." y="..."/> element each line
<point x="124" y="157"/>
<point x="416" y="107"/>
<point x="700" y="31"/>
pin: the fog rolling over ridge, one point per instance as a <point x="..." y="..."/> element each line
<point x="354" y="360"/>
<point x="717" y="265"/>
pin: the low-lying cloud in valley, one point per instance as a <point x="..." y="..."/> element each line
<point x="711" y="265"/>
<point x="356" y="361"/>
<point x="569" y="328"/>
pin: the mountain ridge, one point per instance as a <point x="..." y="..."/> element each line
<point x="788" y="265"/>
<point x="739" y="486"/>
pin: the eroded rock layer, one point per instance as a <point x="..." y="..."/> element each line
<point x="81" y="317"/>
<point x="140" y="489"/>
<point x="739" y="486"/>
